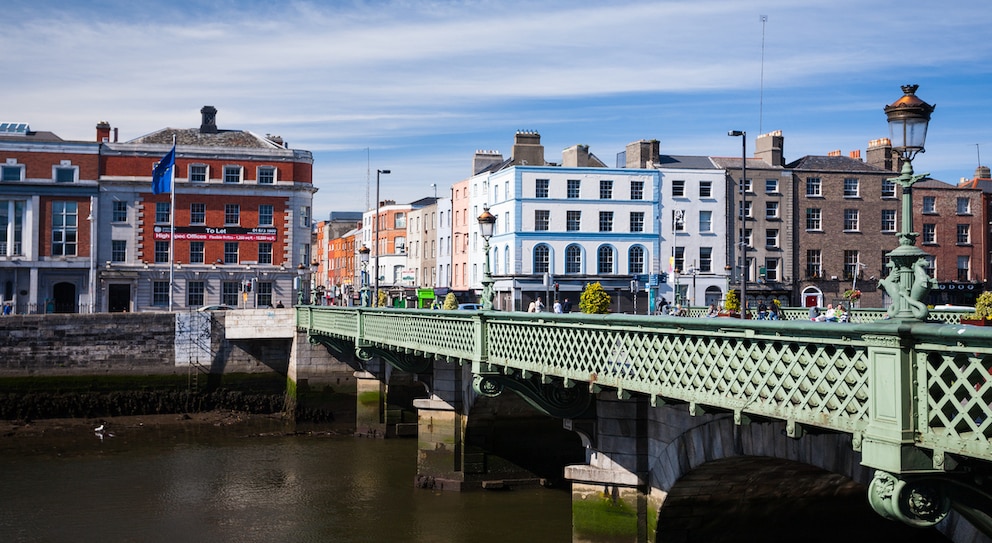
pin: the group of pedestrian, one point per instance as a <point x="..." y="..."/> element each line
<point x="537" y="306"/>
<point x="766" y="312"/>
<point x="832" y="314"/>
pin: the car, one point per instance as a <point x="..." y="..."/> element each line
<point x="955" y="308"/>
<point x="217" y="307"/>
<point x="470" y="307"/>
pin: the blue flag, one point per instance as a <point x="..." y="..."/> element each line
<point x="162" y="176"/>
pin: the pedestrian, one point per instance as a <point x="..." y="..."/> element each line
<point x="557" y="307"/>
<point x="567" y="306"/>
<point x="762" y="310"/>
<point x="663" y="306"/>
<point x="814" y="313"/>
<point x="773" y="312"/>
<point x="538" y="305"/>
<point x="532" y="308"/>
<point x="279" y="304"/>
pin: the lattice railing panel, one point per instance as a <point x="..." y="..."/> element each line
<point x="435" y="333"/>
<point x="814" y="381"/>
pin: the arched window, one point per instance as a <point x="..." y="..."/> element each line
<point x="604" y="260"/>
<point x="573" y="259"/>
<point x="542" y="258"/>
<point x="506" y="260"/>
<point x="635" y="259"/>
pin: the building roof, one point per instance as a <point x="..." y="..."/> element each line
<point x="220" y="138"/>
<point x="687" y="162"/>
<point x="732" y="163"/>
<point x="833" y="164"/>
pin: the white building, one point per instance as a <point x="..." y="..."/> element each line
<point x="560" y="227"/>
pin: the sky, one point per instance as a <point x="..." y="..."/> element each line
<point x="416" y="87"/>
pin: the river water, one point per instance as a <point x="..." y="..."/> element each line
<point x="203" y="484"/>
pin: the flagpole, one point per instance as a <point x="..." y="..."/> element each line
<point x="172" y="224"/>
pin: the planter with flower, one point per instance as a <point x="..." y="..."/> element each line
<point x="983" y="311"/>
<point x="852" y="295"/>
<point x="732" y="305"/>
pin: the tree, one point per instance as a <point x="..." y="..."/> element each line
<point x="383" y="299"/>
<point x="450" y="302"/>
<point x="733" y="301"/>
<point x="594" y="299"/>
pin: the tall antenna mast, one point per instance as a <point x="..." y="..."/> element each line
<point x="978" y="149"/>
<point x="761" y="95"/>
<point x="368" y="177"/>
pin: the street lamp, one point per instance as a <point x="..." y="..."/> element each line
<point x="743" y="240"/>
<point x="314" y="268"/>
<point x="363" y="256"/>
<point x="301" y="271"/>
<point x="378" y="248"/>
<point x="487" y="222"/>
<point x="908" y="283"/>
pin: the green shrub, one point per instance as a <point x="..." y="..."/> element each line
<point x="594" y="299"/>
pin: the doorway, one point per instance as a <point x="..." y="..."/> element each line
<point x="118" y="298"/>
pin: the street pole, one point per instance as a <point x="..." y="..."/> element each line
<point x="743" y="215"/>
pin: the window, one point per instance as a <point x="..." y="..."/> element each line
<point x="265" y="252"/>
<point x="637" y="190"/>
<point x="11" y="172"/>
<point x="679" y="258"/>
<point x="964" y="268"/>
<point x="266" y="176"/>
<point x="305" y="216"/>
<point x="636" y="221"/>
<point x="705" y="259"/>
<point x="813" y="216"/>
<point x="746" y="186"/>
<point x="198" y="213"/>
<point x="196" y="252"/>
<point x="232" y="214"/>
<point x="230" y="252"/>
<point x="605" y="221"/>
<point x="265" y="213"/>
<point x="771" y="210"/>
<point x="604" y="260"/>
<point x="573" y="188"/>
<point x="118" y="250"/>
<point x="263" y="294"/>
<point x="605" y="189"/>
<point x="771" y="269"/>
<point x="399" y="220"/>
<point x="194" y="293"/>
<point x="678" y="220"/>
<point x="64" y="228"/>
<point x="542" y="220"/>
<point x="705" y="189"/>
<point x="929" y="204"/>
<point x="197" y="173"/>
<point x="11" y="215"/>
<point x="852" y="261"/>
<point x="542" y="259"/>
<point x="851" y="187"/>
<point x="888" y="188"/>
<point x="163" y="212"/>
<point x="678" y="188"/>
<point x="230" y="292"/>
<point x="931" y="264"/>
<point x="744" y="209"/>
<point x="964" y="234"/>
<point x="851" y="220"/>
<point x="635" y="259"/>
<point x="888" y="220"/>
<point x="964" y="206"/>
<point x="541" y="188"/>
<point x="160" y="293"/>
<point x="929" y="233"/>
<point x="747" y="237"/>
<point x="118" y="212"/>
<point x="573" y="221"/>
<point x="814" y="263"/>
<point x="771" y="186"/>
<point x="771" y="238"/>
<point x="66" y="175"/>
<point x="573" y="259"/>
<point x="232" y="174"/>
<point x="813" y="188"/>
<point x="705" y="221"/>
<point x="161" y="251"/>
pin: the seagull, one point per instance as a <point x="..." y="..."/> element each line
<point x="99" y="428"/>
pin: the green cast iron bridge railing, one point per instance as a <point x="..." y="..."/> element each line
<point x="916" y="397"/>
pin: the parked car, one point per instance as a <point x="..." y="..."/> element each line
<point x="470" y="307"/>
<point x="217" y="307"/>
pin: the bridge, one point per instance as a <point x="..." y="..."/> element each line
<point x="902" y="405"/>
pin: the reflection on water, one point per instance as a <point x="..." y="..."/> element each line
<point x="201" y="486"/>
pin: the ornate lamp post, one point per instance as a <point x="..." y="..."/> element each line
<point x="363" y="256"/>
<point x="743" y="238"/>
<point x="487" y="221"/>
<point x="378" y="247"/>
<point x="908" y="283"/>
<point x="314" y="267"/>
<point x="301" y="271"/>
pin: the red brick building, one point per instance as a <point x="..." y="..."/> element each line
<point x="104" y="241"/>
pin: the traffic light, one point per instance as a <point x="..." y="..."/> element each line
<point x="556" y="287"/>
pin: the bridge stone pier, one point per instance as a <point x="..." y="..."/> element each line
<point x="902" y="408"/>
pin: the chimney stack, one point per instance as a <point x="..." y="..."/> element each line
<point x="643" y="154"/>
<point x="484" y="159"/>
<point x="527" y="149"/>
<point x="880" y="155"/>
<point x="770" y="148"/>
<point x="208" y="120"/>
<point x="102" y="132"/>
<point x="983" y="172"/>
